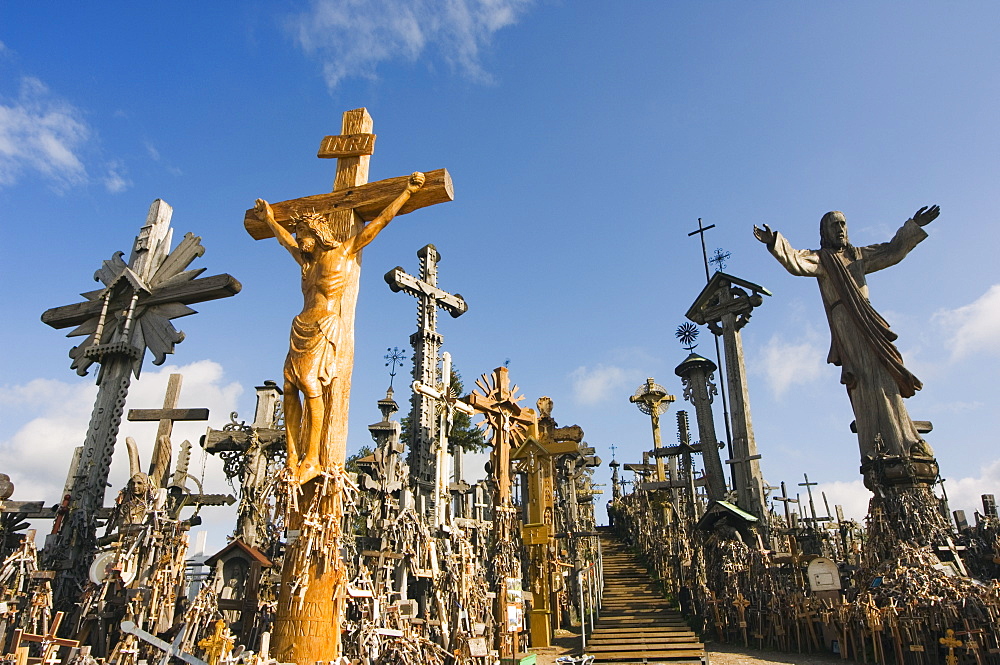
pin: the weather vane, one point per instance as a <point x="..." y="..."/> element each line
<point x="719" y="259"/>
<point x="394" y="357"/>
<point x="687" y="333"/>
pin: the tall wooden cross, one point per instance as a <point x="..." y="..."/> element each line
<point x="130" y="314"/>
<point x="508" y="422"/>
<point x="426" y="343"/>
<point x="307" y="627"/>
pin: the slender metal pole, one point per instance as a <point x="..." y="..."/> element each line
<point x="591" y="583"/>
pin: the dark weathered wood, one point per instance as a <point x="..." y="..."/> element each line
<point x="145" y="415"/>
<point x="366" y="200"/>
<point x="188" y="293"/>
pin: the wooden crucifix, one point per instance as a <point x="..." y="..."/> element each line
<point x="536" y="459"/>
<point x="129" y="315"/>
<point x="426" y="342"/>
<point x="50" y="643"/>
<point x="325" y="235"/>
<point x="508" y="422"/>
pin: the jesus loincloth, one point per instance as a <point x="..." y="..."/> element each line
<point x="312" y="351"/>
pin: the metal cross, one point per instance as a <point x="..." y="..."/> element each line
<point x="704" y="253"/>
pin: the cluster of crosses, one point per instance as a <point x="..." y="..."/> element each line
<point x="422" y="562"/>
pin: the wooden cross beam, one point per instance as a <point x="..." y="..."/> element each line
<point x="367" y="200"/>
<point x="159" y="463"/>
<point x="169" y="649"/>
<point x="50" y="643"/>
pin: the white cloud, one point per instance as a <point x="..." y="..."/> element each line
<point x="852" y="496"/>
<point x="966" y="493"/>
<point x="115" y="180"/>
<point x="352" y="37"/>
<point x="974" y="327"/>
<point x="49" y="420"/>
<point x="785" y="364"/>
<point x="963" y="494"/>
<point x="42" y="133"/>
<point x="593" y="385"/>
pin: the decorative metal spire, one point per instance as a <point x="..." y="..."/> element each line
<point x="687" y="333"/>
<point x="719" y="259"/>
<point x="394" y="357"/>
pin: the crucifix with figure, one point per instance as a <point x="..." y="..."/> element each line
<point x="325" y="235"/>
<point x="509" y="423"/>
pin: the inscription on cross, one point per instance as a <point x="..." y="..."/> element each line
<point x="426" y="342"/>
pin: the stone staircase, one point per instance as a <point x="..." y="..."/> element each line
<point x="637" y="624"/>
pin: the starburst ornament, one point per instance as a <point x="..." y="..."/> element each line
<point x="687" y="333"/>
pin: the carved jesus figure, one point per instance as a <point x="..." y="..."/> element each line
<point x="861" y="342"/>
<point x="314" y="359"/>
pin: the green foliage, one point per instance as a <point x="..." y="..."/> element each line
<point x="351" y="464"/>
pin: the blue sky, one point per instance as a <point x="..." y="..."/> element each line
<point x="584" y="140"/>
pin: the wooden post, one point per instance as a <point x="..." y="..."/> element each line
<point x="726" y="305"/>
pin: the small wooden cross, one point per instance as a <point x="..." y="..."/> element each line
<point x="159" y="464"/>
<point x="50" y="643"/>
<point x="714" y="602"/>
<point x="216" y="644"/>
<point x="952" y="643"/>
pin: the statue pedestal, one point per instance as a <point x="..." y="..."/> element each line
<point x="883" y="471"/>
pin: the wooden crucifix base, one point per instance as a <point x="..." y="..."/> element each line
<point x="311" y="600"/>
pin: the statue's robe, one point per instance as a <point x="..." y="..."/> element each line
<point x="861" y="342"/>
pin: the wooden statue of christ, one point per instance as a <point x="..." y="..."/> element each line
<point x="314" y="361"/>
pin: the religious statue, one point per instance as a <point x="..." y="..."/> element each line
<point x="314" y="359"/>
<point x="861" y="342"/>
